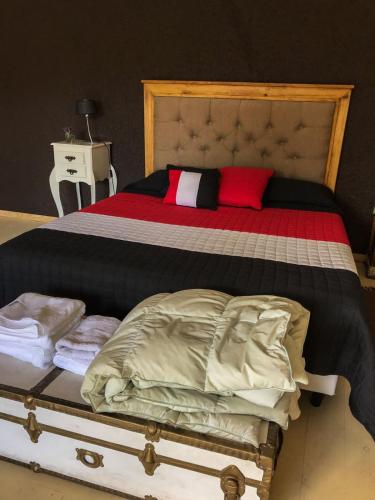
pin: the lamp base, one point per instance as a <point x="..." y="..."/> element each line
<point x="88" y="128"/>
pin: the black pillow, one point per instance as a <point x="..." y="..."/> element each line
<point x="294" y="193"/>
<point x="199" y="170"/>
<point x="156" y="184"/>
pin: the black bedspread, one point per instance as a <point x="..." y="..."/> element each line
<point x="112" y="276"/>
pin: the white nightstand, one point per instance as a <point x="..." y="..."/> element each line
<point x="81" y="162"/>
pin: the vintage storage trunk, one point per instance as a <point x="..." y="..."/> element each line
<point x="46" y="425"/>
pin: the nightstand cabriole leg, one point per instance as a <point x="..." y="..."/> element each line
<point x="110" y="185"/>
<point x="79" y="201"/>
<point x="114" y="180"/>
<point x="55" y="191"/>
<point x="93" y="193"/>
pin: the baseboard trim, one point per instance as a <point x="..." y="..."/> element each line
<point x="360" y="257"/>
<point x="26" y="216"/>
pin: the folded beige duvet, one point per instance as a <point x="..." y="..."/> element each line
<point x="205" y="361"/>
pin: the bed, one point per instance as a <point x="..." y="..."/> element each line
<point x="123" y="249"/>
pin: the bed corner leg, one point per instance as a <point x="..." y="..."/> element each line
<point x="316" y="398"/>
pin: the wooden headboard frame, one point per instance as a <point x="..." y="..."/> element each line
<point x="337" y="94"/>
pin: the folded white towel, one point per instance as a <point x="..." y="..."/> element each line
<point x="76" y="350"/>
<point x="40" y="351"/>
<point x="77" y="355"/>
<point x="87" y="340"/>
<point x="37" y="356"/>
<point x="33" y="315"/>
<point x="46" y="342"/>
<point x="71" y="365"/>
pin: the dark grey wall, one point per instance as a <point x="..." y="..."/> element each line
<point x="54" y="51"/>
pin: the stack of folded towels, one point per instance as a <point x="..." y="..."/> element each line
<point x="31" y="325"/>
<point x="78" y="348"/>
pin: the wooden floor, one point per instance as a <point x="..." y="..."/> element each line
<point x="327" y="454"/>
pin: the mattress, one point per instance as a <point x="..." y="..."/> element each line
<point x="128" y="247"/>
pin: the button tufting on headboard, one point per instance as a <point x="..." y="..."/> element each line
<point x="292" y="137"/>
<point x="282" y="141"/>
<point x="250" y="138"/>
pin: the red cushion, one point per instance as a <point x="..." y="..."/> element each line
<point x="174" y="177"/>
<point x="243" y="186"/>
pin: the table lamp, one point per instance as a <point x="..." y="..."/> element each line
<point x="86" y="107"/>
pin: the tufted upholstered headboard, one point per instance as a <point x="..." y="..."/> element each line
<point x="295" y="129"/>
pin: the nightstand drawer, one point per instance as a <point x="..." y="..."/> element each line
<point x="70" y="157"/>
<point x="71" y="171"/>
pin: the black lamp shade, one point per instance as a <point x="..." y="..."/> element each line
<point x="85" y="107"/>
